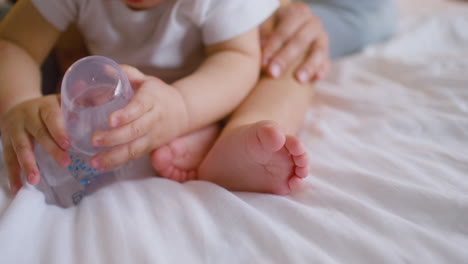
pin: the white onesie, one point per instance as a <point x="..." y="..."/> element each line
<point x="165" y="41"/>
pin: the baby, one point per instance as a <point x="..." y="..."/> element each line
<point x="206" y="57"/>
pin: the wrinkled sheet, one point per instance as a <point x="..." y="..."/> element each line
<point x="388" y="141"/>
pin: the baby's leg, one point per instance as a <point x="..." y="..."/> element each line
<point x="257" y="150"/>
<point x="180" y="159"/>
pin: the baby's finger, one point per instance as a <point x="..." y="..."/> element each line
<point x="121" y="154"/>
<point x="53" y="120"/>
<point x="309" y="68"/>
<point x="141" y="103"/>
<point x="60" y="156"/>
<point x="13" y="169"/>
<point x="297" y="45"/>
<point x="135" y="76"/>
<point x="132" y="72"/>
<point x="39" y="131"/>
<point x="126" y="133"/>
<point x="23" y="147"/>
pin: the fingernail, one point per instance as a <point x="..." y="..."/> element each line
<point x="97" y="140"/>
<point x="65" y="144"/>
<point x="275" y="70"/>
<point x="31" y="177"/>
<point x="303" y="76"/>
<point x="95" y="164"/>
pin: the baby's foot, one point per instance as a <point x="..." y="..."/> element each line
<point x="180" y="159"/>
<point x="257" y="158"/>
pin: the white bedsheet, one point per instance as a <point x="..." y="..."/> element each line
<point x="388" y="143"/>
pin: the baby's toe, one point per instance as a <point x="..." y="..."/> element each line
<point x="301" y="172"/>
<point x="294" y="146"/>
<point x="301" y="160"/>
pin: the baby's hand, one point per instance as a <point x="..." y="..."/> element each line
<point x="38" y="119"/>
<point x="154" y="116"/>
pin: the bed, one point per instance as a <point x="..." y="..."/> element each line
<point x="387" y="135"/>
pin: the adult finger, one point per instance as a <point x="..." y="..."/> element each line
<point x="264" y="34"/>
<point x="297" y="45"/>
<point x="22" y="144"/>
<point x="318" y="54"/>
<point x="289" y="22"/>
<point x="323" y="71"/>
<point x="141" y="103"/>
<point x="13" y="168"/>
<point x="120" y="155"/>
<point x="291" y="19"/>
<point x="266" y="28"/>
<point x="126" y="133"/>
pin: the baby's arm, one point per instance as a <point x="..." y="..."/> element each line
<point x="219" y="85"/>
<point x="25" y="40"/>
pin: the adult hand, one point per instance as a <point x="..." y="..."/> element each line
<point x="296" y="33"/>
<point x="154" y="116"/>
<point x="38" y="119"/>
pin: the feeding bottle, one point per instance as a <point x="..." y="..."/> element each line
<point x="92" y="88"/>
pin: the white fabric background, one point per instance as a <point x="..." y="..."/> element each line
<point x="388" y="142"/>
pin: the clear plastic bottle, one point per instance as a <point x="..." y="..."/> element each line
<point x="92" y="88"/>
